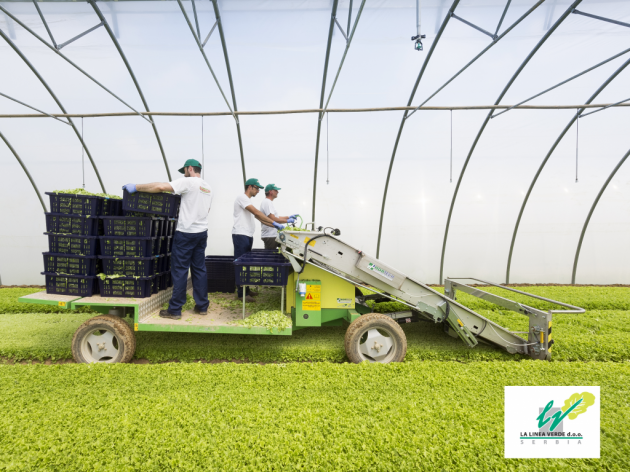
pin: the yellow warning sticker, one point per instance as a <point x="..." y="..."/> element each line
<point x="62" y="303"/>
<point x="313" y="296"/>
<point x="294" y="236"/>
<point x="312" y="243"/>
<point x="135" y="326"/>
<point x="313" y="288"/>
<point x="311" y="305"/>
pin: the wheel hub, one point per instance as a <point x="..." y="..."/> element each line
<point x="102" y="345"/>
<point x="376" y="345"/>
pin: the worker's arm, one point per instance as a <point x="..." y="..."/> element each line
<point x="278" y="219"/>
<point x="155" y="187"/>
<point x="260" y="216"/>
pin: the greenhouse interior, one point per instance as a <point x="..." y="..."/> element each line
<point x="459" y="162"/>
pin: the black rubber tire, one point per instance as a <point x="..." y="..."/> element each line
<point x="361" y="325"/>
<point x="117" y="326"/>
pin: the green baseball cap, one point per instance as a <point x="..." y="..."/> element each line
<point x="253" y="182"/>
<point x="190" y="162"/>
<point x="271" y="187"/>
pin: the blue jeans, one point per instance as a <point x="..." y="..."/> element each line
<point x="242" y="244"/>
<point x="189" y="252"/>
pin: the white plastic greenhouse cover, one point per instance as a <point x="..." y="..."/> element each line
<point x="277" y="50"/>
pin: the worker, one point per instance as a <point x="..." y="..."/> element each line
<point x="190" y="239"/>
<point x="243" y="229"/>
<point x="267" y="234"/>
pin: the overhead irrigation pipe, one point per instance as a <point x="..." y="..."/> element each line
<point x="345" y="53"/>
<point x="33" y="108"/>
<point x="520" y="68"/>
<point x="54" y="97"/>
<point x="56" y="51"/>
<point x="474" y="59"/>
<point x="601" y="106"/>
<point x="567" y="80"/>
<point x="203" y="53"/>
<point x="546" y="159"/>
<point x="28" y="174"/>
<point x="133" y="77"/>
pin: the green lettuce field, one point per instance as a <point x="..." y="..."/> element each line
<point x="306" y="408"/>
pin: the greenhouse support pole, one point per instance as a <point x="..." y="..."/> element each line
<point x="590" y="213"/>
<point x="542" y="40"/>
<point x="544" y="162"/>
<point x="135" y="81"/>
<point x="321" y="100"/>
<point x="402" y="122"/>
<point x="28" y="174"/>
<point x="54" y="97"/>
<point x="219" y="22"/>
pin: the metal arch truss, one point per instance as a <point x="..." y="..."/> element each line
<point x="496" y="39"/>
<point x="54" y="97"/>
<point x="590" y="213"/>
<point x="201" y="46"/>
<point x="332" y="88"/>
<point x="321" y="100"/>
<point x="133" y="77"/>
<point x="542" y="40"/>
<point x="544" y="162"/>
<point x="447" y="17"/>
<point x="28" y="174"/>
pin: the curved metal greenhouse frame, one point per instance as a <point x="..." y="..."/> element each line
<point x="544" y="162"/>
<point x="590" y="213"/>
<point x="52" y="94"/>
<point x="542" y="40"/>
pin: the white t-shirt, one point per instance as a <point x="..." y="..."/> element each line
<point x="243" y="219"/>
<point x="195" y="206"/>
<point x="268" y="208"/>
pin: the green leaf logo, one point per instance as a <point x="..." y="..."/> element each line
<point x="587" y="399"/>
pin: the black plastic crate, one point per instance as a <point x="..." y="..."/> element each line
<point x="131" y="226"/>
<point x="81" y="225"/>
<point x="165" y="263"/>
<point x="170" y="224"/>
<point x="126" y="287"/>
<point x="79" y="285"/>
<point x="70" y="264"/>
<point x="165" y="204"/>
<point x="218" y="269"/>
<point x="251" y="269"/>
<point x="166" y="280"/>
<point x="155" y="284"/>
<point x="72" y="244"/>
<point x="166" y="245"/>
<point x="131" y="266"/>
<point x="75" y="204"/>
<point x="111" y="206"/>
<point x="119" y="246"/>
<point x="224" y="286"/>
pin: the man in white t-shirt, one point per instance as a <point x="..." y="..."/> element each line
<point x="243" y="229"/>
<point x="190" y="239"/>
<point x="268" y="209"/>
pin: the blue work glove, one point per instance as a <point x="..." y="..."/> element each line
<point x="131" y="188"/>
<point x="294" y="216"/>
<point x="291" y="220"/>
<point x="278" y="226"/>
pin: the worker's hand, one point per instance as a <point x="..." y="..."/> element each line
<point x="278" y="226"/>
<point x="294" y="216"/>
<point x="131" y="188"/>
<point x="291" y="220"/>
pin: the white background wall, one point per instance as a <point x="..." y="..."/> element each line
<point x="277" y="51"/>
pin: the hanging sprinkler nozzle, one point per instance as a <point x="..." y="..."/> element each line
<point x="418" y="39"/>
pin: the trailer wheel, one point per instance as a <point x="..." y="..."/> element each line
<point x="106" y="338"/>
<point x="376" y="338"/>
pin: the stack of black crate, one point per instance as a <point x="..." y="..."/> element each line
<point x="73" y="227"/>
<point x="136" y="246"/>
